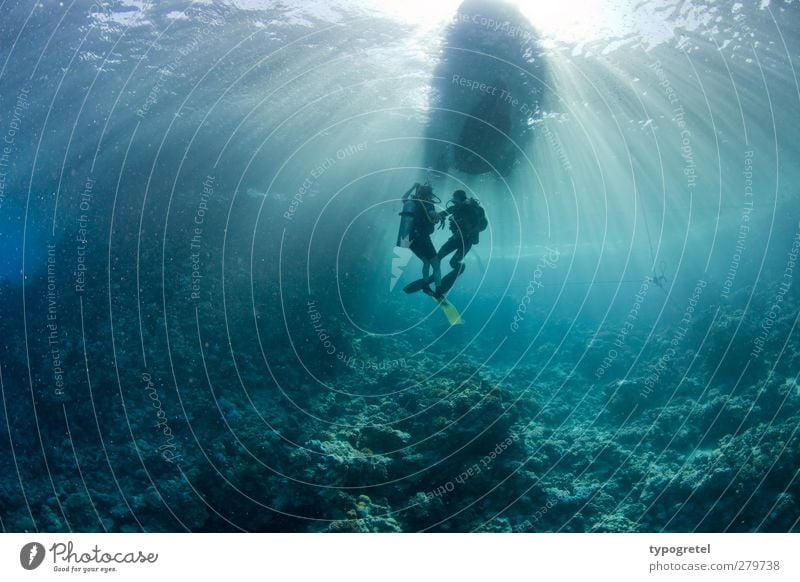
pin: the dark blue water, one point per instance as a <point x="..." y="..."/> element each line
<point x="203" y="318"/>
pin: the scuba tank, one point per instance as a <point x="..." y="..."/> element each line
<point x="406" y="223"/>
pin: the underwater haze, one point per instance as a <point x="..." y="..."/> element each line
<point x="202" y="308"/>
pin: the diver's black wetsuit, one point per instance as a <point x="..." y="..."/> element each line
<point x="421" y="244"/>
<point x="425" y="219"/>
<point x="460" y="244"/>
<point x="465" y="228"/>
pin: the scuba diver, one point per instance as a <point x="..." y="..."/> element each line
<point x="418" y="221"/>
<point x="467" y="221"/>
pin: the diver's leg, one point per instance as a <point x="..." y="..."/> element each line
<point x="437" y="272"/>
<point x="448" y="247"/>
<point x="461" y="252"/>
<point x="450" y="278"/>
<point x="456" y="263"/>
<point x="458" y="246"/>
<point x="422" y="252"/>
<point x="414" y="247"/>
<point x="428" y="252"/>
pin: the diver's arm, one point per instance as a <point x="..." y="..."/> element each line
<point x="443" y="214"/>
<point x="410" y="190"/>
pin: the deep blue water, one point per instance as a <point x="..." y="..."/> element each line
<point x="203" y="319"/>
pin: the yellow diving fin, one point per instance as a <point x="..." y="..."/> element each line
<point x="450" y="312"/>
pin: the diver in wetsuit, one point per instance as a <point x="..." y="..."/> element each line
<point x="418" y="223"/>
<point x="467" y="220"/>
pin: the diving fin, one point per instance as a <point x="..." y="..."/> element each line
<point x="414" y="286"/>
<point x="450" y="312"/>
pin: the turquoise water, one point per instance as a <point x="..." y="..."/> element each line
<point x="202" y="302"/>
